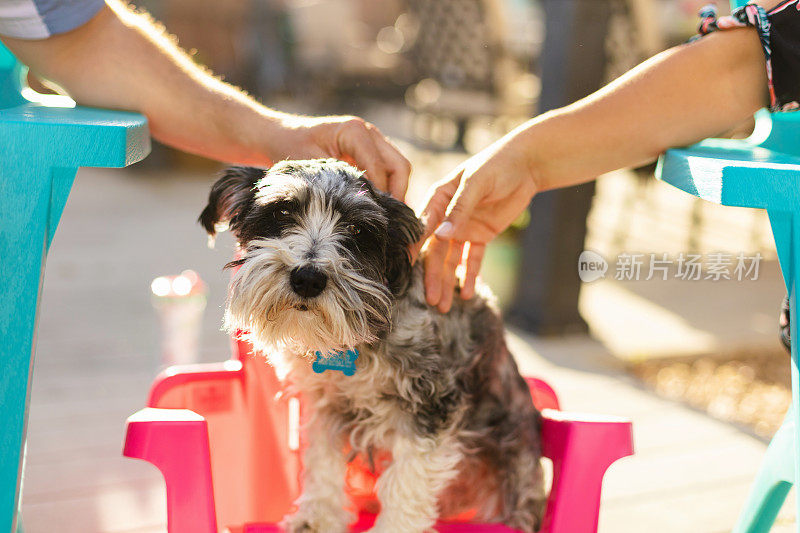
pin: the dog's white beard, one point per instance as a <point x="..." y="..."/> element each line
<point x="262" y="304"/>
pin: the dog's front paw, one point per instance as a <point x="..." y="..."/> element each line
<point x="317" y="519"/>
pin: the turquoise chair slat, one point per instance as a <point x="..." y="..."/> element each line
<point x="80" y="136"/>
<point x="777" y="131"/>
<point x="11" y="74"/>
<point x="759" y="171"/>
<point x="42" y="148"/>
<point x="77" y="137"/>
<point x="772" y="483"/>
<point x="735" y="173"/>
<point x="762" y="171"/>
<point x="782" y="223"/>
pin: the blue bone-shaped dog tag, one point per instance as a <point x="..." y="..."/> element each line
<point x="336" y="360"/>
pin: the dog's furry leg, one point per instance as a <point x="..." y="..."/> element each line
<point x="321" y="506"/>
<point x="523" y="491"/>
<point x="408" y="490"/>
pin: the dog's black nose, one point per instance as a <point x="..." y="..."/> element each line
<point x="308" y="281"/>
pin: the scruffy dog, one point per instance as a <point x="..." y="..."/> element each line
<point x="324" y="266"/>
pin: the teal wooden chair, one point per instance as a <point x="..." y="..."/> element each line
<point x="41" y="148"/>
<point x="762" y="171"/>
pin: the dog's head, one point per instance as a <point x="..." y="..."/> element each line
<point x="323" y="253"/>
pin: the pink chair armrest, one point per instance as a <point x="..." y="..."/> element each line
<point x="176" y="441"/>
<point x="582" y="447"/>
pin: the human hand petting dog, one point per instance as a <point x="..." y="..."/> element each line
<point x="350" y="139"/>
<point x="466" y="210"/>
<point x="660" y="104"/>
<point x="120" y="59"/>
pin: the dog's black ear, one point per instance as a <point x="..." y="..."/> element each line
<point x="404" y="230"/>
<point x="230" y="198"/>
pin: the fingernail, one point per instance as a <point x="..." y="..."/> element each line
<point x="445" y="230"/>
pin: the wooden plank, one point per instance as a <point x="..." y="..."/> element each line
<point x="85" y="474"/>
<point x="123" y="507"/>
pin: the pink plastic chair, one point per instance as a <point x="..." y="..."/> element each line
<point x="227" y="442"/>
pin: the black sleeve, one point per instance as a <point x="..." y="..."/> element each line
<point x="784" y="33"/>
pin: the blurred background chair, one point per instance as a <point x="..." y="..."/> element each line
<point x="466" y="70"/>
<point x="43" y="141"/>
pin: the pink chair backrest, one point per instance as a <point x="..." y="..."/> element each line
<point x="255" y="461"/>
<point x="249" y="434"/>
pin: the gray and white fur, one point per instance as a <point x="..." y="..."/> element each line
<point x="324" y="265"/>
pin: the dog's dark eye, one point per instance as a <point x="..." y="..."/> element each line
<point x="282" y="214"/>
<point x="352" y="229"/>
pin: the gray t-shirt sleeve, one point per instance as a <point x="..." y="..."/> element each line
<point x="39" y="19"/>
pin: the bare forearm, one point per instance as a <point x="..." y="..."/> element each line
<point x="120" y="60"/>
<point x="676" y="98"/>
